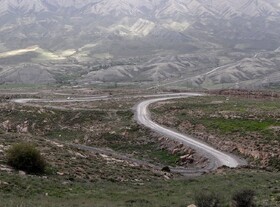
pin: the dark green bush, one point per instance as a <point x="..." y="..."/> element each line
<point x="206" y="199"/>
<point x="243" y="198"/>
<point x="274" y="162"/>
<point x="26" y="157"/>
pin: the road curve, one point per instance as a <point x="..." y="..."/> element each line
<point x="142" y="115"/>
<point x="217" y="157"/>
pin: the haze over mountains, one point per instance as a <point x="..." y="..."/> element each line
<point x="91" y="41"/>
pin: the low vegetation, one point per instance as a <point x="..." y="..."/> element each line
<point x="206" y="199"/>
<point x="76" y="177"/>
<point x="243" y="198"/>
<point x="114" y="129"/>
<point x="240" y="198"/>
<point x="26" y="157"/>
<point x="34" y="191"/>
<point x="244" y="125"/>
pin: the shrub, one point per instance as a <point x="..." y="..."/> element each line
<point x="26" y="157"/>
<point x="274" y="162"/>
<point x="243" y="198"/>
<point x="207" y="199"/>
<point x="166" y="169"/>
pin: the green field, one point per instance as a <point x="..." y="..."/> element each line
<point x="37" y="191"/>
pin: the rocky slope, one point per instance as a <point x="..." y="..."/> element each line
<point x="257" y="72"/>
<point x="157" y="8"/>
<point x="101" y="30"/>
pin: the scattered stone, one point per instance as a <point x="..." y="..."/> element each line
<point x="80" y="155"/>
<point x="5" y="169"/>
<point x="187" y="159"/>
<point x="21" y="173"/>
<point x="21" y="129"/>
<point x="176" y="151"/>
<point x="3" y="183"/>
<point x="7" y="126"/>
<point x="166" y="177"/>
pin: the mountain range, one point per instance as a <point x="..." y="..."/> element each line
<point x="153" y="8"/>
<point x="96" y="41"/>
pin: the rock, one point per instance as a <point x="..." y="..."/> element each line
<point x="5" y="169"/>
<point x="7" y="126"/>
<point x="187" y="159"/>
<point x="77" y="154"/>
<point x="3" y="183"/>
<point x="175" y="151"/>
<point x="56" y="144"/>
<point x="41" y="110"/>
<point x="166" y="177"/>
<point x="22" y="128"/>
<point x="192" y="205"/>
<point x="21" y="173"/>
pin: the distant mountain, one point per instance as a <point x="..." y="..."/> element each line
<point x="256" y="72"/>
<point x="153" y="8"/>
<point x="91" y="33"/>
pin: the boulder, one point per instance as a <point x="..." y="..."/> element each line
<point x="187" y="159"/>
<point x="7" y="126"/>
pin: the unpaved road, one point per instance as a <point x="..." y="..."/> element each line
<point x="217" y="157"/>
<point x="142" y="115"/>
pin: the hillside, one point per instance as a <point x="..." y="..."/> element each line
<point x="133" y="33"/>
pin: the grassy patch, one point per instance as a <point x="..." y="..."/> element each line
<point x="149" y="152"/>
<point x="237" y="125"/>
<point x="36" y="191"/>
<point x="165" y="157"/>
<point x="65" y="134"/>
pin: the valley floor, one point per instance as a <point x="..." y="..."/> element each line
<point x="123" y="167"/>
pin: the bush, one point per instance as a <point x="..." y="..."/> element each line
<point x="274" y="162"/>
<point x="27" y="158"/>
<point x="207" y="200"/>
<point x="243" y="198"/>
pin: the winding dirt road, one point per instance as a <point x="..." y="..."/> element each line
<point x="142" y="115"/>
<point x="218" y="158"/>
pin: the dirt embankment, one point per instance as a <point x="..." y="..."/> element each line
<point x="199" y="118"/>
